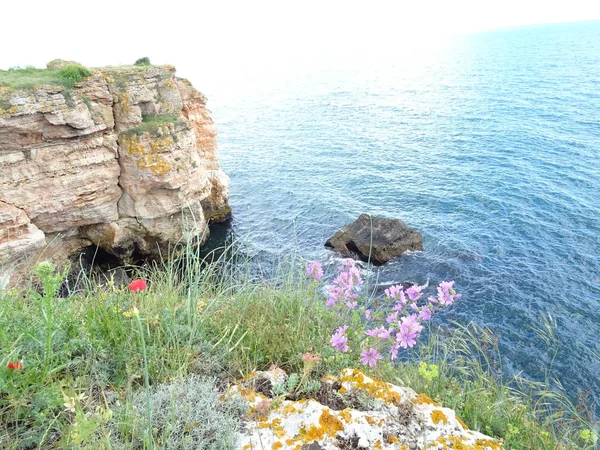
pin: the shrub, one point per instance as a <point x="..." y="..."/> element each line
<point x="145" y="61"/>
<point x="188" y="415"/>
<point x="73" y="74"/>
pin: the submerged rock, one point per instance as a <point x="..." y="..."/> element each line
<point x="375" y="239"/>
<point x="377" y="415"/>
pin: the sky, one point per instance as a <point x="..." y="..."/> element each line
<point x="220" y="42"/>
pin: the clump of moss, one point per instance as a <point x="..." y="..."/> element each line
<point x="145" y="61"/>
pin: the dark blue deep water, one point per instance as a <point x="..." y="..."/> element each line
<point x="489" y="146"/>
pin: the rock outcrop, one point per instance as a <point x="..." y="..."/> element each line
<point x="358" y="412"/>
<point x="375" y="239"/>
<point x="126" y="159"/>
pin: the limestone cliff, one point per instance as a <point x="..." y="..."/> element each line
<point x="126" y="159"/>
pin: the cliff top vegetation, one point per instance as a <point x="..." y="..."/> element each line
<point x="74" y="368"/>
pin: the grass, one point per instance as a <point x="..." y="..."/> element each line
<point x="30" y="76"/>
<point x="151" y="124"/>
<point x="103" y="364"/>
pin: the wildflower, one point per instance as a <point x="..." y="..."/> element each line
<point x="380" y="332"/>
<point x="339" y="340"/>
<point x="367" y="314"/>
<point x="392" y="317"/>
<point x="394" y="351"/>
<point x="446" y="294"/>
<point x="414" y="292"/>
<point x="424" y="313"/>
<point x="393" y="292"/>
<point x="72" y="402"/>
<point x="263" y="408"/>
<point x="383" y="333"/>
<point x="346" y="265"/>
<point x="15" y="365"/>
<point x="411" y="323"/>
<point x="351" y="305"/>
<point x="406" y="337"/>
<point x="315" y="270"/>
<point x="137" y="285"/>
<point x="369" y="357"/>
<point x="310" y="358"/>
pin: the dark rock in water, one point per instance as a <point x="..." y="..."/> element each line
<point x="377" y="238"/>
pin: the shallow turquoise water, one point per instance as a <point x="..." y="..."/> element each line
<point x="489" y="147"/>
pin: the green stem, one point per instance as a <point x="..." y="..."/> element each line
<point x="147" y="381"/>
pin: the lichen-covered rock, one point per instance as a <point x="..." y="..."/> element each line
<point x="390" y="417"/>
<point x="126" y="159"/>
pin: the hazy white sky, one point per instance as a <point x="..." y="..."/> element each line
<point x="212" y="41"/>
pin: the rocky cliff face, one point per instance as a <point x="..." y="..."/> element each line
<point x="126" y="159"/>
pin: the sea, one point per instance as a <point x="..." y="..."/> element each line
<point x="488" y="145"/>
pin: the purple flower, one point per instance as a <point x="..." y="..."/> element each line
<point x="392" y="317"/>
<point x="342" y="329"/>
<point x="394" y="351"/>
<point x="406" y="338"/>
<point x="372" y="333"/>
<point x="314" y="270"/>
<point x="424" y="313"/>
<point x="338" y="340"/>
<point x="346" y="265"/>
<point x="383" y="333"/>
<point x="368" y="314"/>
<point x="411" y="323"/>
<point x="446" y="294"/>
<point x="414" y="292"/>
<point x="369" y="357"/>
<point x="351" y="305"/>
<point x="409" y="331"/>
<point x="354" y="275"/>
<point x="393" y="292"/>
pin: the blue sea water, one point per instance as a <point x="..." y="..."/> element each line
<point x="489" y="146"/>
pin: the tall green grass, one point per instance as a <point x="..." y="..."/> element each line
<point x="87" y="358"/>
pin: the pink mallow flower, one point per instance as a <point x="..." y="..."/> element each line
<point x="314" y="270"/>
<point x="446" y="294"/>
<point x="393" y="292"/>
<point x="369" y="357"/>
<point x="392" y="317"/>
<point x="414" y="292"/>
<point x="339" y="340"/>
<point x="409" y="331"/>
<point x="394" y="351"/>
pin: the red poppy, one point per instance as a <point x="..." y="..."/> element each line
<point x="15" y="365"/>
<point x="137" y="285"/>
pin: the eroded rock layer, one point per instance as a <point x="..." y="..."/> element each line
<point x="126" y="159"/>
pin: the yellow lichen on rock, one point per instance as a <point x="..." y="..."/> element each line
<point x="161" y="144"/>
<point x="375" y="388"/>
<point x="438" y="416"/>
<point x="423" y="399"/>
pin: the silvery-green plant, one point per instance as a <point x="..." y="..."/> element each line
<point x="189" y="415"/>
